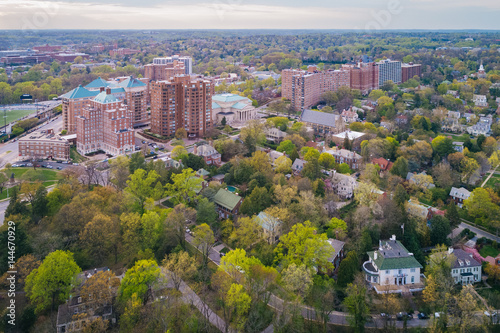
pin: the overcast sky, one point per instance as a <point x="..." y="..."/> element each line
<point x="250" y="14"/>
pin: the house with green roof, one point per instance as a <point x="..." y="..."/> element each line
<point x="227" y="203"/>
<point x="235" y="108"/>
<point x="391" y="268"/>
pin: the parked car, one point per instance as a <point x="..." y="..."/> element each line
<point x="59" y="168"/>
<point x="29" y="164"/>
<point x="422" y="315"/>
<point x="402" y="315"/>
<point x="50" y="167"/>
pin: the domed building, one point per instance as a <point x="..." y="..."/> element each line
<point x="235" y="108"/>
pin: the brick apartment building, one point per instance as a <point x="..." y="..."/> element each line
<point x="159" y="72"/>
<point x="183" y="102"/>
<point x="48" y="48"/>
<point x="105" y="124"/>
<point x="44" y="145"/>
<point x="304" y="88"/>
<point x="132" y="92"/>
<point x="364" y="76"/>
<point x="410" y="70"/>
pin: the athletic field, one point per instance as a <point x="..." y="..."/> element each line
<point x="13" y="115"/>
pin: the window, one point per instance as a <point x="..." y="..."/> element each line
<point x="412" y="270"/>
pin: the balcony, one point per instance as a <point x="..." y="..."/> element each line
<point x="369" y="268"/>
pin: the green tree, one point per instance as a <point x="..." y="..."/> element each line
<point x="283" y="165"/>
<point x="139" y="280"/>
<point x="344" y="168"/>
<point x="100" y="236"/>
<point x="303" y="245"/>
<point x="144" y="185"/>
<point x="239" y="301"/>
<point x="39" y="205"/>
<point x="357" y="306"/>
<point x="440" y="229"/>
<point x="52" y="282"/>
<point x="348" y="269"/>
<point x="178" y="153"/>
<point x="312" y="169"/>
<point x="400" y="167"/>
<point x="184" y="186"/>
<point x="297" y="279"/>
<point x="180" y="266"/>
<point x="256" y="202"/>
<point x="205" y="212"/>
<point x="120" y="171"/>
<point x="442" y="146"/>
<point x="253" y="135"/>
<point x="452" y="214"/>
<point x="286" y="146"/>
<point x="326" y="160"/>
<point x="137" y="161"/>
<point x="203" y="239"/>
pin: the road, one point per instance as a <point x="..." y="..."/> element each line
<point x="479" y="232"/>
<point x="9" y="152"/>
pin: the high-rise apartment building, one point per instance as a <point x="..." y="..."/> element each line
<point x="159" y="72"/>
<point x="182" y="102"/>
<point x="364" y="76"/>
<point x="132" y="92"/>
<point x="410" y="70"/>
<point x="304" y="88"/>
<point x="105" y="124"/>
<point x="389" y="71"/>
<point x="187" y="61"/>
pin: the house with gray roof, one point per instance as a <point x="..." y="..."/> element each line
<point x="322" y="123"/>
<point x="459" y="195"/>
<point x="227" y="203"/>
<point x="298" y="165"/>
<point x="465" y="269"/>
<point x="391" y="268"/>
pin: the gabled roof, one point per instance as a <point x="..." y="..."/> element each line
<point x="317" y="117"/>
<point x="393" y="255"/>
<point x="98" y="83"/>
<point x="215" y="105"/>
<point x="239" y="105"/>
<point x="105" y="98"/>
<point x="79" y="92"/>
<point x="267" y="221"/>
<point x="226" y="199"/>
<point x="460" y="192"/>
<point x="131" y="83"/>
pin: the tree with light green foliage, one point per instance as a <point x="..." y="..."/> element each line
<point x="357" y="306"/>
<point x="184" y="186"/>
<point x="326" y="160"/>
<point x="303" y="245"/>
<point x="139" y="280"/>
<point x="143" y="185"/>
<point x="52" y="281"/>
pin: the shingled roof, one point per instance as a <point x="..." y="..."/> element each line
<point x="393" y="255"/>
<point x="226" y="199"/>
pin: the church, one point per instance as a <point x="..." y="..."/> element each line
<point x="235" y="108"/>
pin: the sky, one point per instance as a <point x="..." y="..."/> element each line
<point x="369" y="15"/>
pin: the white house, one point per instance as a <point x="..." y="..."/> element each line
<point x="466" y="269"/>
<point x="459" y="195"/>
<point x="391" y="268"/>
<point x="480" y="101"/>
<point x="298" y="165"/>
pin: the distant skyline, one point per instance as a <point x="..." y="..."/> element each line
<point x="366" y="15"/>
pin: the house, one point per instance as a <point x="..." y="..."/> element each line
<point x="343" y="185"/>
<point x="274" y="134"/>
<point x="401" y="120"/>
<point x="417" y="210"/>
<point x="321" y="122"/>
<point x="171" y="163"/>
<point x="410" y="177"/>
<point x="385" y="165"/>
<point x="271" y="227"/>
<point x="346" y="156"/>
<point x="219" y="178"/>
<point x="465" y="269"/>
<point x="210" y="155"/>
<point x="67" y="313"/>
<point x="298" y="165"/>
<point x="227" y="203"/>
<point x="274" y="155"/>
<point x="355" y="138"/>
<point x="452" y="121"/>
<point x="387" y="125"/>
<point x="483" y="126"/>
<point x="391" y="268"/>
<point x="458" y="146"/>
<point x="202" y="173"/>
<point x="349" y="116"/>
<point x="453" y="93"/>
<point x="338" y="254"/>
<point x="459" y="195"/>
<point x="480" y="101"/>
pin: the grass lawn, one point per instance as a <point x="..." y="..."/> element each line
<point x="42" y="174"/>
<point x="454" y="137"/>
<point x="493" y="180"/>
<point x="488" y="251"/>
<point x="75" y="156"/>
<point x="13" y="115"/>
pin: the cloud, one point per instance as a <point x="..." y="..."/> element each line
<point x="247" y="14"/>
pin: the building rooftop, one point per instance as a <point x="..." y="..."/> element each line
<point x="229" y="98"/>
<point x="267" y="221"/>
<point x="105" y="98"/>
<point x="351" y="135"/>
<point x="78" y="92"/>
<point x="320" y="118"/>
<point x="43" y="135"/>
<point x="464" y="259"/>
<point x="226" y="199"/>
<point x="131" y="82"/>
<point x="460" y="192"/>
<point x="393" y="255"/>
<point x="98" y="83"/>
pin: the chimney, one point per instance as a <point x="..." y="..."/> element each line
<point x="375" y="255"/>
<point x="450" y="250"/>
<point x="393" y="237"/>
<point x="108" y="91"/>
<point x="195" y="151"/>
<point x="101" y="89"/>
